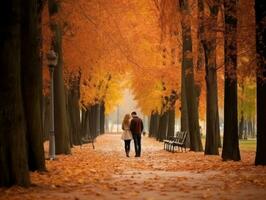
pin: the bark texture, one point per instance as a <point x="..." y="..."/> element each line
<point x="187" y="63"/>
<point x="13" y="152"/>
<point x="230" y="141"/>
<point x="260" y="9"/>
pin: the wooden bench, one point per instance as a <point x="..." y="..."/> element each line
<point x="88" y="140"/>
<point x="167" y="142"/>
<point x="179" y="142"/>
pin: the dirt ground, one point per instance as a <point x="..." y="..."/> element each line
<point x="106" y="173"/>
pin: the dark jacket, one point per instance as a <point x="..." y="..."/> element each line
<point x="136" y="125"/>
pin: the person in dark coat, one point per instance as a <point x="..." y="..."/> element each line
<point x="136" y="128"/>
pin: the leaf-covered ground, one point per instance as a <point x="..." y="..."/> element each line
<point x="106" y="173"/>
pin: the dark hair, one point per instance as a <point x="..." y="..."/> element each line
<point x="133" y="113"/>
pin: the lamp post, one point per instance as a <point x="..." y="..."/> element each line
<point x="52" y="62"/>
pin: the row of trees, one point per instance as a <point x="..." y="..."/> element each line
<point x="214" y="19"/>
<point x="28" y="30"/>
<point x="94" y="56"/>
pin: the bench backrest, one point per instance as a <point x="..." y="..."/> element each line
<point x="181" y="137"/>
<point x="184" y="136"/>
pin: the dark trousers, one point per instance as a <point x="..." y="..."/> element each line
<point x="137" y="143"/>
<point x="127" y="146"/>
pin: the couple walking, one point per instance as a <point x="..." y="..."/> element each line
<point x="132" y="128"/>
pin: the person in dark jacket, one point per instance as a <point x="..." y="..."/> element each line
<point x="136" y="128"/>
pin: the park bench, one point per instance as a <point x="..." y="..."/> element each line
<point x="88" y="140"/>
<point x="167" y="142"/>
<point x="177" y="141"/>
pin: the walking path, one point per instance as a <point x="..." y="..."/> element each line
<point x="106" y="173"/>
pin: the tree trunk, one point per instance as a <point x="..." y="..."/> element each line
<point x="13" y="152"/>
<point x="70" y="121"/>
<point x="163" y="126"/>
<point x="156" y="124"/>
<point x="209" y="44"/>
<point x="241" y="127"/>
<point x="218" y="131"/>
<point x="249" y="128"/>
<point x="193" y="116"/>
<point x="74" y="113"/>
<point x="83" y="123"/>
<point x="96" y="119"/>
<point x="91" y="122"/>
<point x="253" y="128"/>
<point x="200" y="63"/>
<point x="87" y="125"/>
<point x="47" y="118"/>
<point x="171" y="122"/>
<point x="260" y="8"/>
<point x="211" y="147"/>
<point x="151" y="125"/>
<point x="184" y="111"/>
<point x="61" y="126"/>
<point x="31" y="74"/>
<point x="102" y="117"/>
<point x="230" y="141"/>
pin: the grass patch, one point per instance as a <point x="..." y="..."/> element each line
<point x="247" y="145"/>
<point x="244" y="145"/>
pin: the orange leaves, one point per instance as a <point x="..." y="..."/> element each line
<point x="106" y="173"/>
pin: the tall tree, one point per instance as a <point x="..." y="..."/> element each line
<point x="260" y="9"/>
<point x="209" y="45"/>
<point x="31" y="71"/>
<point x="187" y="65"/>
<point x="230" y="141"/>
<point x="62" y="141"/>
<point x="13" y="153"/>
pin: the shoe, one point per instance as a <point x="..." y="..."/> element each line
<point x="127" y="155"/>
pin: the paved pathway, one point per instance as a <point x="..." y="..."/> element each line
<point x="106" y="173"/>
